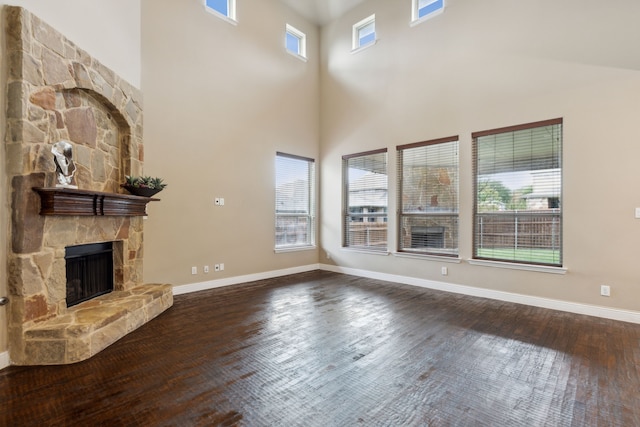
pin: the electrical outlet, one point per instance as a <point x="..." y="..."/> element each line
<point x="221" y="266"/>
<point x="605" y="291"/>
<point x="217" y="267"/>
<point x="206" y="269"/>
<point x="194" y="270"/>
<point x="221" y="201"/>
<point x="444" y="271"/>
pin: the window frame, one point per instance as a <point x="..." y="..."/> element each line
<point x="347" y="214"/>
<point x="356" y="44"/>
<point x="415" y="11"/>
<point x="302" y="42"/>
<point x="310" y="215"/>
<point x="231" y="11"/>
<point x="558" y="235"/>
<point x="453" y="235"/>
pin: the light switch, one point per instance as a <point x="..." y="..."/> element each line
<point x="638" y="213"/>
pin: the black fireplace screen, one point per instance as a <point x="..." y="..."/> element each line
<point x="89" y="271"/>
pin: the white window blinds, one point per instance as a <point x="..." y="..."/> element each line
<point x="518" y="193"/>
<point x="428" y="197"/>
<point x="295" y="207"/>
<point x="365" y="200"/>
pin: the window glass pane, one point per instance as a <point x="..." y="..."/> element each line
<point x="293" y="43"/>
<point x="365" y="220"/>
<point x="367" y="33"/>
<point x="221" y="6"/>
<point x="294" y="208"/>
<point x="426" y="7"/>
<point x="429" y="198"/>
<point x="519" y="195"/>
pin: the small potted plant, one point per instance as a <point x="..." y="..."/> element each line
<point x="143" y="185"/>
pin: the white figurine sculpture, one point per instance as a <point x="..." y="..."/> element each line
<point x="65" y="168"/>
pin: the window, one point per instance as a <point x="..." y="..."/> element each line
<point x="425" y="9"/>
<point x="364" y="32"/>
<point x="295" y="207"/>
<point x="428" y="201"/>
<point x="518" y="194"/>
<point x="296" y="42"/>
<point x="365" y="200"/>
<point x="226" y="8"/>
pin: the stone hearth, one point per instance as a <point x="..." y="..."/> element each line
<point x="56" y="91"/>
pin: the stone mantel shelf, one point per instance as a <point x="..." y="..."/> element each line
<point x="68" y="201"/>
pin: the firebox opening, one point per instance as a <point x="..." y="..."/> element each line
<point x="89" y="271"/>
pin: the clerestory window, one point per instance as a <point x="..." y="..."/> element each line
<point x="422" y="10"/>
<point x="222" y="8"/>
<point x="296" y="42"/>
<point x="364" y="33"/>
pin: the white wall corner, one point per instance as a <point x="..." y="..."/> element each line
<point x="552" y="304"/>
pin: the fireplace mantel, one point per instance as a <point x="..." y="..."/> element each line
<point x="67" y="201"/>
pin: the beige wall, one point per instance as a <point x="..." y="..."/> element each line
<point x="109" y="31"/>
<point x="220" y="101"/>
<point x="484" y="65"/>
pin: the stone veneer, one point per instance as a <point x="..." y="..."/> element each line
<point x="57" y="91"/>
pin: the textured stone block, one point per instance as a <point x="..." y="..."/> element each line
<point x="16" y="107"/>
<point x="44" y="98"/>
<point x="26" y="222"/>
<point x="78" y="350"/>
<point x="100" y="316"/>
<point x="81" y="124"/>
<point x="108" y="334"/>
<point x="47" y="36"/>
<point x="25" y="278"/>
<point x="17" y="32"/>
<point x="154" y="308"/>
<point x="45" y="352"/>
<point x="36" y="307"/>
<point x="34" y="132"/>
<point x="135" y="319"/>
<point x="55" y="69"/>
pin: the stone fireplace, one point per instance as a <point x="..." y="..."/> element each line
<point x="56" y="91"/>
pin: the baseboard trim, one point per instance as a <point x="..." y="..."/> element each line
<point x="228" y="281"/>
<point x="570" y="307"/>
<point x="5" y="361"/>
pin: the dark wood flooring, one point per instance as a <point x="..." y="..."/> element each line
<point x="324" y="349"/>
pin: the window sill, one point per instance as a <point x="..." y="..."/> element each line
<point x="429" y="257"/>
<point x="295" y="249"/>
<point x="418" y="21"/>
<point x="516" y="266"/>
<point x="361" y="48"/>
<point x="295" y="55"/>
<point x="221" y="16"/>
<point x="365" y="251"/>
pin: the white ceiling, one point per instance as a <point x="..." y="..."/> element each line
<point x="322" y="11"/>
